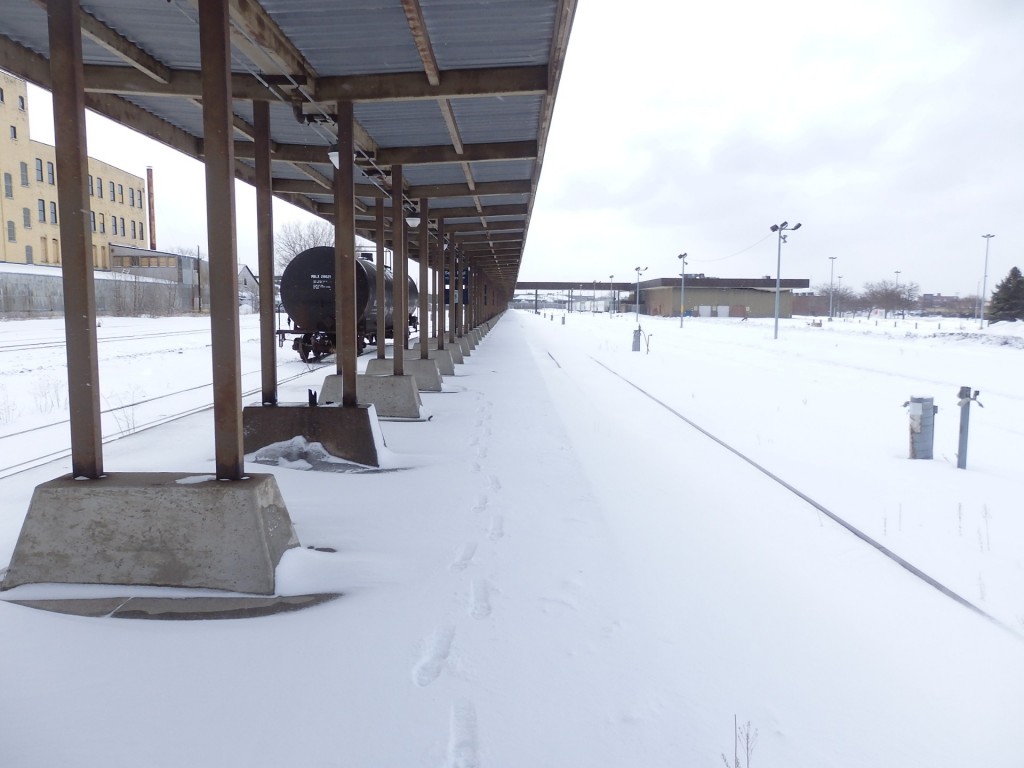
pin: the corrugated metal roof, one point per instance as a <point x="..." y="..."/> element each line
<point x="145" y="56"/>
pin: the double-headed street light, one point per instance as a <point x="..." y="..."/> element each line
<point x="984" y="283"/>
<point x="780" y="228"/>
<point x="639" y="270"/>
<point x="682" y="287"/>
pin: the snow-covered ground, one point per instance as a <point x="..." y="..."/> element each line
<point x="566" y="572"/>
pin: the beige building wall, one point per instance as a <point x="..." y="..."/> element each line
<point x="29" y="225"/>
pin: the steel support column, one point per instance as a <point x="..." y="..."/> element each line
<point x="75" y="235"/>
<point x="439" y="284"/>
<point x="345" y="257"/>
<point x="381" y="297"/>
<point x="424" y="277"/>
<point x="265" y="250"/>
<point x="400" y="287"/>
<point x="218" y="145"/>
<point x="452" y="306"/>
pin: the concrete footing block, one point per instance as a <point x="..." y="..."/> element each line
<point x="443" y="358"/>
<point x="350" y="432"/>
<point x="463" y="343"/>
<point x="393" y="397"/>
<point x="426" y="372"/>
<point x="167" y="529"/>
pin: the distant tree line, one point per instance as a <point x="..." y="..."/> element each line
<point x="893" y="298"/>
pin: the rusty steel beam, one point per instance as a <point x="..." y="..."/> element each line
<point x="265" y="251"/>
<point x="398" y="250"/>
<point x="220" y="216"/>
<point x="502" y="150"/>
<point x="424" y="258"/>
<point x="345" y="257"/>
<point x="439" y="270"/>
<point x="77" y="269"/>
<point x="378" y="210"/>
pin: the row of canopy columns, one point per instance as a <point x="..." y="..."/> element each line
<point x="59" y="541"/>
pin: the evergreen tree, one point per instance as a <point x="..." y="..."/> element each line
<point x="1007" y="301"/>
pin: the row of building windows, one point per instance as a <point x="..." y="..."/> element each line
<point x="21" y="100"/>
<point x="116" y="191"/>
<point x="118" y="226"/>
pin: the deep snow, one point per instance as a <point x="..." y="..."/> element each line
<point x="565" y="573"/>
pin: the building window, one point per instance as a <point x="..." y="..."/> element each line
<point x="39" y="169"/>
<point x="92" y="220"/>
<point x="24" y="174"/>
<point x="53" y="213"/>
<point x="99" y="187"/>
<point x="142" y="235"/>
<point x="26" y="218"/>
<point x="8" y="185"/>
<point x="21" y="103"/>
<point x="103" y="224"/>
<point x="12" y="235"/>
<point x="120" y="193"/>
<point x="1" y="95"/>
<point x="28" y="254"/>
<point x="133" y="232"/>
<point x="113" y="225"/>
<point x="139" y="198"/>
<point x="123" y="230"/>
<point x="111" y="191"/>
<point x="42" y="210"/>
<point x="91" y="193"/>
<point x="131" y="197"/>
<point x="49" y="173"/>
<point x="14" y="132"/>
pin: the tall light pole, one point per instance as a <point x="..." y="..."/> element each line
<point x="593" y="305"/>
<point x="682" y="287"/>
<point x="611" y="296"/>
<point x="984" y="283"/>
<point x="639" y="270"/>
<point x="780" y="228"/>
<point x="840" y="279"/>
<point x="897" y="292"/>
<point x="831" y="290"/>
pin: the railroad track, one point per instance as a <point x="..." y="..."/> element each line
<point x="63" y="452"/>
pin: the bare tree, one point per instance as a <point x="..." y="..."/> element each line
<point x="193" y="253"/>
<point x="294" y="237"/>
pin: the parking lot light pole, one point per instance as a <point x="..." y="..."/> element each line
<point x="611" y="294"/>
<point x="984" y="283"/>
<point x="780" y="228"/>
<point x="639" y="270"/>
<point x="682" y="287"/>
<point x="831" y="290"/>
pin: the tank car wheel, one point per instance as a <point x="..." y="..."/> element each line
<point x="306" y="348"/>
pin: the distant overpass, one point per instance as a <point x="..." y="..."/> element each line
<point x="695" y="281"/>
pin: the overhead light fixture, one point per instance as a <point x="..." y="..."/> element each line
<point x="413" y="221"/>
<point x="332" y="153"/>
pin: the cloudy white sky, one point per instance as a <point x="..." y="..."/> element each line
<point x="891" y="129"/>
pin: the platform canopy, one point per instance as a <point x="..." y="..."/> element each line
<point x="459" y="93"/>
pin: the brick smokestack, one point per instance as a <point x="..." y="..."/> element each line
<point x="152" y="206"/>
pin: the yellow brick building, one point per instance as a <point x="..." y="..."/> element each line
<point x="29" y="226"/>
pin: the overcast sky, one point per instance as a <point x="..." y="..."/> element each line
<point x="893" y="130"/>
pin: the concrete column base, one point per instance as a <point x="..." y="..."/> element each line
<point x="350" y="433"/>
<point x="393" y="397"/>
<point x="443" y="358"/>
<point x="385" y="367"/>
<point x="463" y="343"/>
<point x="166" y="529"/>
<point x="455" y="350"/>
<point x="426" y="372"/>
